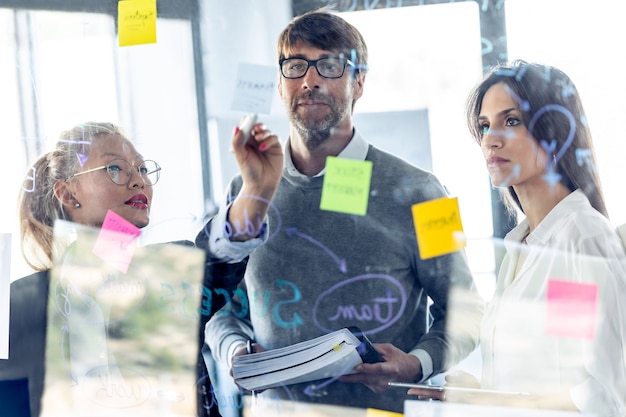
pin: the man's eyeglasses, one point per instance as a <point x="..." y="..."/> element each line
<point x="121" y="171"/>
<point x="330" y="67"/>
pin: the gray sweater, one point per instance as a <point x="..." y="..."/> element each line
<point x="321" y="270"/>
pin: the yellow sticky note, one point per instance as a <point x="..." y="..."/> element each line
<point x="346" y="186"/>
<point x="438" y="227"/>
<point x="373" y="412"/>
<point x="136" y="22"/>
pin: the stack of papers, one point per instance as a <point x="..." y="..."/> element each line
<point x="330" y="355"/>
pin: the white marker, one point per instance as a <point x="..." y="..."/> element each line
<point x="247" y="124"/>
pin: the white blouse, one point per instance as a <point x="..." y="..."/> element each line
<point x="533" y="342"/>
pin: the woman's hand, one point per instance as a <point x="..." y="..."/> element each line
<point x="260" y="159"/>
<point x="456" y="379"/>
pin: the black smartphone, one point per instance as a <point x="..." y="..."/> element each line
<point x="366" y="349"/>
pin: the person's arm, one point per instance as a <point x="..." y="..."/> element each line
<point x="397" y="366"/>
<point x="260" y="161"/>
<point x="215" y="236"/>
<point x="457" y="311"/>
<point x="441" y="277"/>
<point x="240" y="224"/>
<point x="548" y="401"/>
<point x="448" y="282"/>
<point x="229" y="328"/>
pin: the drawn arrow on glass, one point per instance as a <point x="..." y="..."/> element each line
<point x="487" y="46"/>
<point x="293" y="231"/>
<point x="82" y="158"/>
<point x="523" y="104"/>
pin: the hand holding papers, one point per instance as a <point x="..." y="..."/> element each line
<point x="327" y="356"/>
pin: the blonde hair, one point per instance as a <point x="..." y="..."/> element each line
<point x="38" y="207"/>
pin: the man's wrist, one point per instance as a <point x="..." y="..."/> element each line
<point x="426" y="364"/>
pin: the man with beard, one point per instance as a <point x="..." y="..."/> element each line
<point x="316" y="270"/>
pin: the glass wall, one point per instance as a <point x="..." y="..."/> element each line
<point x="582" y="38"/>
<point x="60" y="68"/>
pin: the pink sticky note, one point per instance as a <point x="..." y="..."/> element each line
<point x="571" y="309"/>
<point x="116" y="241"/>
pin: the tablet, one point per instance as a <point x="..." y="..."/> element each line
<point x="442" y="388"/>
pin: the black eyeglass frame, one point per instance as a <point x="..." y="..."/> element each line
<point x="346" y="62"/>
<point x="137" y="167"/>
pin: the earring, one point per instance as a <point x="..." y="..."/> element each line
<point x="77" y="205"/>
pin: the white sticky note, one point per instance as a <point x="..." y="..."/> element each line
<point x="254" y="88"/>
<point x="5" y="287"/>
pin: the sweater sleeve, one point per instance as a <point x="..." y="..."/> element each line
<point x="457" y="309"/>
<point x="214" y="235"/>
<point x="226" y="328"/>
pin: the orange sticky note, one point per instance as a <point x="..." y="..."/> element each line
<point x="571" y="309"/>
<point x="346" y="186"/>
<point x="438" y="227"/>
<point x="136" y="22"/>
<point x="116" y="241"/>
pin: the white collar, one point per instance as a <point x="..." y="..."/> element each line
<point x="355" y="149"/>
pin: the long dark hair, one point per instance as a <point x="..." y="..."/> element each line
<point x="552" y="112"/>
